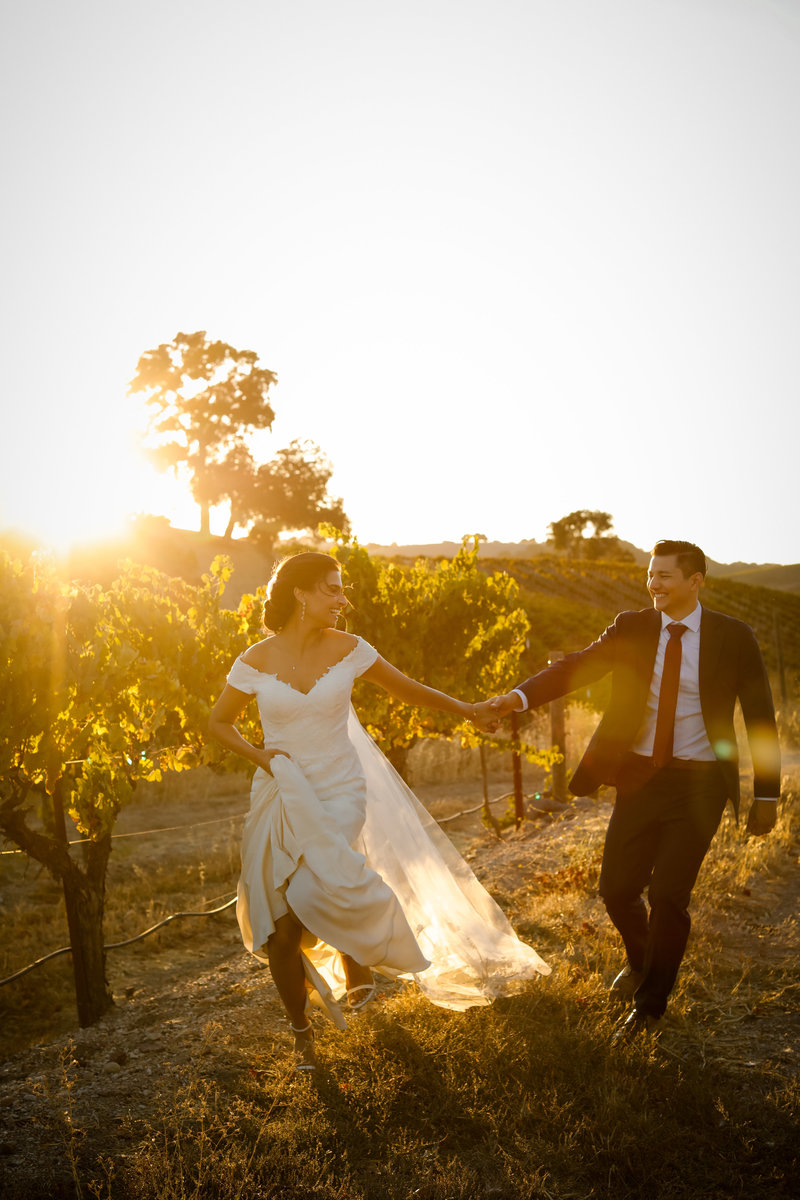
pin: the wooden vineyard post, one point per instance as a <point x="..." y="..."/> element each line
<point x="558" y="738"/>
<point x="489" y="817"/>
<point x="516" y="770"/>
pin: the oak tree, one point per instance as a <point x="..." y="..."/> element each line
<point x="290" y="492"/>
<point x="205" y="398"/>
<point x="569" y="536"/>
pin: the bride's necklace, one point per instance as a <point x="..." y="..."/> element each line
<point x="290" y="658"/>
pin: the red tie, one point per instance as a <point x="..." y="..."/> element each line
<point x="668" y="696"/>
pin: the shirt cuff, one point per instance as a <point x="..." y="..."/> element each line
<point x="765" y="799"/>
<point x="524" y="699"/>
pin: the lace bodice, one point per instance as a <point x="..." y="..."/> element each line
<point x="310" y="726"/>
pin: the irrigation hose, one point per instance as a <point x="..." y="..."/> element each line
<point x="176" y="916"/>
<point x="118" y="945"/>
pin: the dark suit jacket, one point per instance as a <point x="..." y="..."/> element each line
<point x="731" y="666"/>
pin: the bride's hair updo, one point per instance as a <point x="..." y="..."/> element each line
<point x="299" y="571"/>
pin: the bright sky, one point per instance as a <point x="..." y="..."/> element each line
<point x="508" y="258"/>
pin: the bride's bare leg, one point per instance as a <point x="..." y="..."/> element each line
<point x="356" y="976"/>
<point x="286" y="966"/>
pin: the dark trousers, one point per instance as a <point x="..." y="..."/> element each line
<point x="657" y="838"/>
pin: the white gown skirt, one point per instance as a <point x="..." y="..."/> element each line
<point x="371" y="874"/>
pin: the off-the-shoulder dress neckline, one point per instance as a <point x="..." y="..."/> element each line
<point x="297" y="691"/>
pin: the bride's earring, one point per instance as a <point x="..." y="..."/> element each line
<point x="303" y="610"/>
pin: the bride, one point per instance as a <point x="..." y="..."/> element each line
<point x="343" y="870"/>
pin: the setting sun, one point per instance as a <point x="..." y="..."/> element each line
<point x="96" y="496"/>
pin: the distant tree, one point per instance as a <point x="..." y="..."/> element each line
<point x="568" y="536"/>
<point x="205" y="397"/>
<point x="288" y="493"/>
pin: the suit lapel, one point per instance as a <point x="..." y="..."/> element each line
<point x="645" y="648"/>
<point x="651" y="632"/>
<point x="711" y="639"/>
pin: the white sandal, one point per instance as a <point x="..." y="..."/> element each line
<point x="305" y="1055"/>
<point x="369" y="988"/>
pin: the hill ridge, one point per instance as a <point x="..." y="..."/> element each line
<point x="780" y="576"/>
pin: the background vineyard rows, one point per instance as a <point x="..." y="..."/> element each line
<point x="569" y="603"/>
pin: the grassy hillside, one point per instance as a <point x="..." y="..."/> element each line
<point x="784" y="578"/>
<point x="771" y="575"/>
<point x="177" y="552"/>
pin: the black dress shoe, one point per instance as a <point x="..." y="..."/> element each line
<point x="633" y="1027"/>
<point x="626" y="984"/>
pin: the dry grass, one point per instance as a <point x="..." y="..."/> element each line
<point x="523" y="1099"/>
<point x="140" y="893"/>
<point x="526" y="1098"/>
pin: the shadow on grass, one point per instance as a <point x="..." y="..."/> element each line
<point x="523" y="1099"/>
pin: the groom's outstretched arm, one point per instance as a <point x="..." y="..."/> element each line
<point x="561" y="677"/>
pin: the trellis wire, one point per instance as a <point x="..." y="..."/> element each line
<point x="175" y="916"/>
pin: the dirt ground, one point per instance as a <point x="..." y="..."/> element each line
<point x="98" y="1090"/>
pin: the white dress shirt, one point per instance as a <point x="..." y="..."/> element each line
<point x="690" y="740"/>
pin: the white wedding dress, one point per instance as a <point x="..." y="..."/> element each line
<point x="335" y="836"/>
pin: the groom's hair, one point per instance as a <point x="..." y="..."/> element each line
<point x="690" y="557"/>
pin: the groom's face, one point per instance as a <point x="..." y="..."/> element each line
<point x="673" y="592"/>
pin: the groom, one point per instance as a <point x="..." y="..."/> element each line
<point x="667" y="744"/>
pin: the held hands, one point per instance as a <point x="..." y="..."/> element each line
<point x="762" y="817"/>
<point x="503" y="705"/>
<point x="486" y="716"/>
<point x="483" y="716"/>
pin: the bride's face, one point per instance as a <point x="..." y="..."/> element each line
<point x="327" y="601"/>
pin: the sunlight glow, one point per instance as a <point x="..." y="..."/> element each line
<point x="484" y="321"/>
